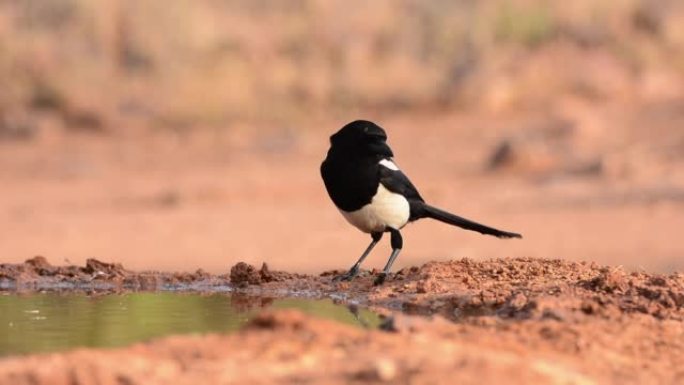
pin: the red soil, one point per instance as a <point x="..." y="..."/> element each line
<point x="514" y="321"/>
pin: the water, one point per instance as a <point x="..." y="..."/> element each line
<point x="52" y="322"/>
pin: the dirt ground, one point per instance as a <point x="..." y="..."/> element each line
<point x="162" y="146"/>
<point x="210" y="198"/>
<point x="517" y="320"/>
<point x="180" y="201"/>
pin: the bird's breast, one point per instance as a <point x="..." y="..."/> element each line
<point x="386" y="209"/>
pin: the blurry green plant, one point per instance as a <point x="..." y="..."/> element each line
<point x="529" y="25"/>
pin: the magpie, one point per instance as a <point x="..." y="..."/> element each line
<point x="373" y="194"/>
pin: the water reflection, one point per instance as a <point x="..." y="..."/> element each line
<point x="50" y="322"/>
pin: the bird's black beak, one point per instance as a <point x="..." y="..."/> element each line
<point x="380" y="147"/>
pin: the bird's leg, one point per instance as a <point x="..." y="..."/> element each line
<point x="397" y="244"/>
<point x="355" y="269"/>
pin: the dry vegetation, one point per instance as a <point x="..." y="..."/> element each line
<point x="91" y="65"/>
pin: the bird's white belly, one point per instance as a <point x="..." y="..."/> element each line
<point x="387" y="209"/>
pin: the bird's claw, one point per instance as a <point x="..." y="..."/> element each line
<point x="348" y="276"/>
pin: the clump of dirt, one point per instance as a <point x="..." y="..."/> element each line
<point x="526" y="288"/>
<point x="103" y="269"/>
<point x="657" y="295"/>
<point x="38" y="274"/>
<point x="242" y="275"/>
<point x="40" y="265"/>
<point x="38" y="269"/>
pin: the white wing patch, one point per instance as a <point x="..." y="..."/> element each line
<point x="387" y="209"/>
<point x="389" y="164"/>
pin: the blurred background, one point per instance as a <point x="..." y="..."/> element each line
<point x="176" y="135"/>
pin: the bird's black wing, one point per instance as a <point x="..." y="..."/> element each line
<point x="397" y="182"/>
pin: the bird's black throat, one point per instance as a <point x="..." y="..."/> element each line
<point x="351" y="182"/>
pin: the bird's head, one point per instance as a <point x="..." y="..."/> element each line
<point x="362" y="137"/>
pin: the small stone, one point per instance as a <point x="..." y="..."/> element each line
<point x="517" y="301"/>
<point x="385" y="369"/>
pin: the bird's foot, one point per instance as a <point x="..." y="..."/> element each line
<point x="380" y="279"/>
<point x="348" y="276"/>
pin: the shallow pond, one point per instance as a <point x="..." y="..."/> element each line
<point x="50" y="322"/>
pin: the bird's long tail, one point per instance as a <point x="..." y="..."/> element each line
<point x="423" y="210"/>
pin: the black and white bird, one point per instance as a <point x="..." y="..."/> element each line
<point x="374" y="195"/>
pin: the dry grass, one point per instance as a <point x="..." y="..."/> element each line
<point x="186" y="63"/>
